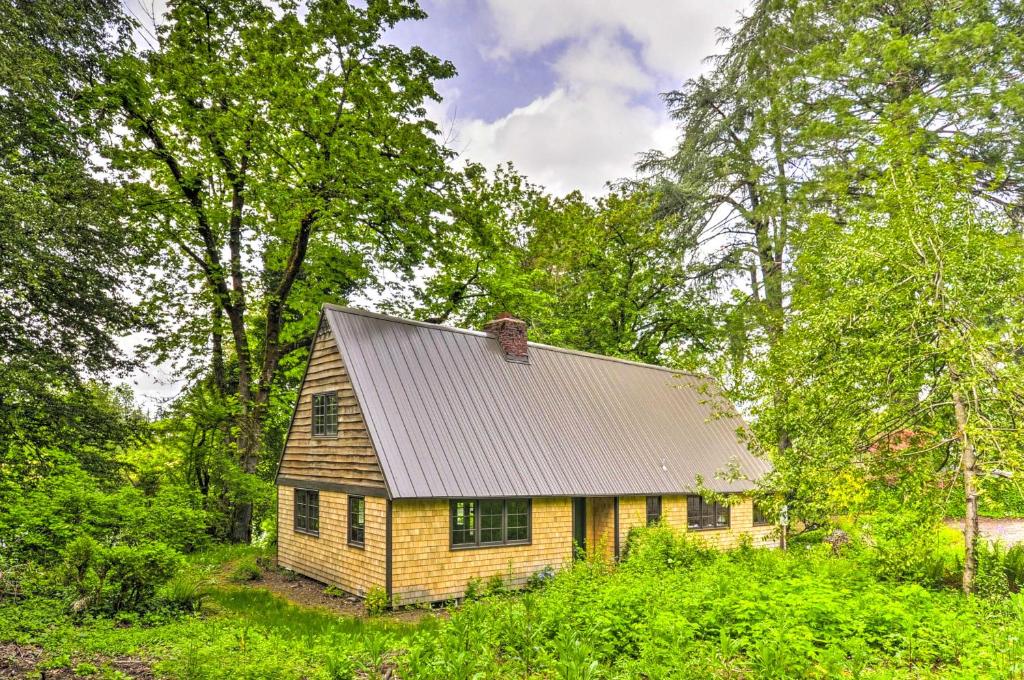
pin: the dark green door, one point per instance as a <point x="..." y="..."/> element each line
<point x="579" y="527"/>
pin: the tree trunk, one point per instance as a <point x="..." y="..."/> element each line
<point x="249" y="438"/>
<point x="968" y="463"/>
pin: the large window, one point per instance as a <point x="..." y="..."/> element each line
<point x="761" y="517"/>
<point x="307" y="511"/>
<point x="357" y="521"/>
<point x="490" y="521"/>
<point x="701" y="514"/>
<point x="325" y="414"/>
<point x="653" y="510"/>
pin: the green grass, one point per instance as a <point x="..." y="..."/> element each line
<point x="241" y="632"/>
<point x="672" y="610"/>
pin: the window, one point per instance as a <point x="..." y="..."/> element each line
<point x="703" y="515"/>
<point x="760" y="516"/>
<point x="490" y="521"/>
<point x="307" y="511"/>
<point x="325" y="414"/>
<point x="463" y="523"/>
<point x="356" y="520"/>
<point x="653" y="510"/>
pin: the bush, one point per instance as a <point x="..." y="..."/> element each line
<point x="183" y="592"/>
<point x="474" y="588"/>
<point x="376" y="601"/>
<point x="496" y="586"/>
<point x="245" y="570"/>
<point x="751" y="613"/>
<point x="1013" y="565"/>
<point x="657" y="548"/>
<point x="538" y="578"/>
<point x="39" y="524"/>
<point x="116" y="579"/>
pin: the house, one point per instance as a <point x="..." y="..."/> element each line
<point x="421" y="456"/>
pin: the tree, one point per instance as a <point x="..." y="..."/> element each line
<point x="903" y="350"/>
<point x="277" y="159"/>
<point x="65" y="255"/>
<point x="605" y="276"/>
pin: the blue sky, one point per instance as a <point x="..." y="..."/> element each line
<point x="566" y="89"/>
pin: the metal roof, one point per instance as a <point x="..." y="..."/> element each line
<point x="449" y="417"/>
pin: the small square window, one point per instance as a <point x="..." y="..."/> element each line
<point x="307" y="511"/>
<point x="357" y="520"/>
<point x="325" y="414"/>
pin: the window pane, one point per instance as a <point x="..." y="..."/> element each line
<point x="490" y="521"/>
<point x="331" y="414"/>
<point x="721" y="515"/>
<point x="463" y="522"/>
<point x="693" y="512"/>
<point x="653" y="509"/>
<point x="517" y="520"/>
<point x="325" y="414"/>
<point x="356" y="519"/>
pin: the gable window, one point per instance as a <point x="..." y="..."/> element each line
<point x="761" y="518"/>
<point x="490" y="521"/>
<point x="653" y="510"/>
<point x="307" y="511"/>
<point x="325" y="414"/>
<point x="701" y="514"/>
<point x="357" y="521"/>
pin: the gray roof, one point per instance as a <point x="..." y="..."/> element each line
<point x="449" y="417"/>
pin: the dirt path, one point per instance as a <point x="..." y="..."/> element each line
<point x="20" y="661"/>
<point x="1006" y="531"/>
<point x="309" y="593"/>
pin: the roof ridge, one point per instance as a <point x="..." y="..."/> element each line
<point x="539" y="345"/>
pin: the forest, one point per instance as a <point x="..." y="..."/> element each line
<point x="836" y="237"/>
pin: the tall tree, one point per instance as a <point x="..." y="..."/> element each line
<point x="65" y="255"/>
<point x="904" y="344"/>
<point x="281" y="158"/>
<point x="604" y="276"/>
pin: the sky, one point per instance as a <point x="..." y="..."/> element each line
<point x="568" y="90"/>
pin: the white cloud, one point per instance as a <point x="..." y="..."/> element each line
<point x="674" y="34"/>
<point x="600" y="112"/>
<point x="568" y="139"/>
<point x="602" y="61"/>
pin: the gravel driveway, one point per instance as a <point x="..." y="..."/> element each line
<point x="1007" y="531"/>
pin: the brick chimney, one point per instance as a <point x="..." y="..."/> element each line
<point x="510" y="333"/>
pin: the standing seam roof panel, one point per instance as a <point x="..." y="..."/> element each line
<point x="450" y="417"/>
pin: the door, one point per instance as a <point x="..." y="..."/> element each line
<point x="579" y="527"/>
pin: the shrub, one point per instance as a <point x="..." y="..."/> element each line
<point x="991" y="579"/>
<point x="658" y="548"/>
<point x="117" y="579"/>
<point x="474" y="588"/>
<point x="183" y="592"/>
<point x="1013" y="566"/>
<point x="334" y="591"/>
<point x="538" y="578"/>
<point x="245" y="570"/>
<point x="39" y="524"/>
<point x="496" y="586"/>
<point x="376" y="601"/>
